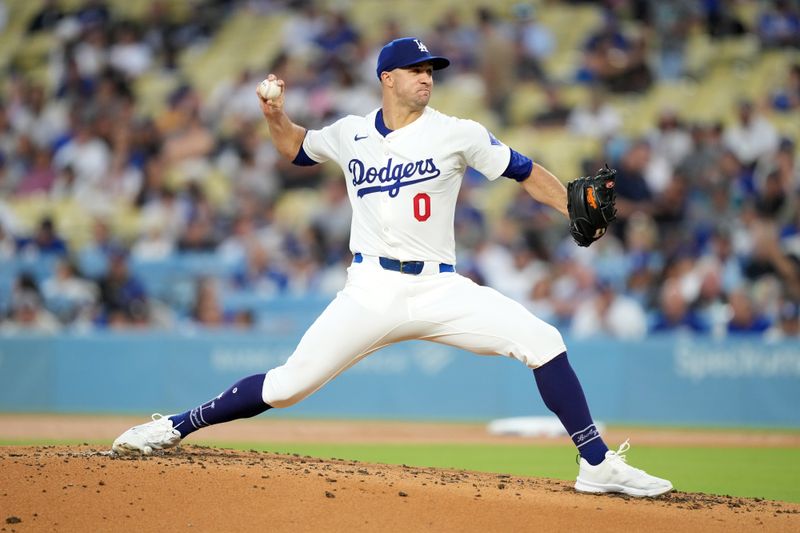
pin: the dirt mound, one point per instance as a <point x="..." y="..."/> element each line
<point x="80" y="488"/>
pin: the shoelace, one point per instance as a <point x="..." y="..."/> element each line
<point x="620" y="453"/>
<point x="624" y="447"/>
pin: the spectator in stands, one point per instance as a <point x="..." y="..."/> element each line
<point x="540" y="300"/>
<point x="233" y="248"/>
<point x="674" y="314"/>
<point x="672" y="22"/>
<point x="534" y="41"/>
<point x="41" y="176"/>
<point x="260" y="274"/>
<point x="614" y="60"/>
<point x="453" y="38"/>
<point x="337" y="34"/>
<point x="574" y="283"/>
<point x="198" y="236"/>
<point x="671" y="206"/>
<point x="785" y="167"/>
<point x="604" y="51"/>
<point x="633" y="191"/>
<point x="91" y="52"/>
<point x="94" y="255"/>
<point x="704" y="154"/>
<point x="787" y="98"/>
<point x="767" y="258"/>
<point x="669" y="139"/>
<point x="555" y="112"/>
<point x="787" y="324"/>
<point x="773" y="201"/>
<point x="332" y="220"/>
<point x="719" y="257"/>
<point x="153" y="244"/>
<point x="231" y="101"/>
<point x="598" y="119"/>
<point x="744" y="318"/>
<point x="94" y="13"/>
<point x="779" y="25"/>
<point x="47" y="17"/>
<point x="349" y="95"/>
<point x="711" y="303"/>
<point x="753" y="136"/>
<point x="643" y="258"/>
<point x="74" y="88"/>
<point x="303" y="27"/>
<point x="39" y="118"/>
<point x="45" y="241"/>
<point x="168" y="212"/>
<point x="123" y="300"/>
<point x="68" y="294"/>
<point x="496" y="63"/>
<point x="633" y="73"/>
<point x="29" y="315"/>
<point x="190" y="145"/>
<point x="128" y="53"/>
<point x="207" y="310"/>
<point x="228" y="102"/>
<point x="721" y="19"/>
<point x="609" y="313"/>
<point x="90" y="159"/>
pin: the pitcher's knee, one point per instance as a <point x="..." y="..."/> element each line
<point x="547" y="345"/>
<point x="281" y="390"/>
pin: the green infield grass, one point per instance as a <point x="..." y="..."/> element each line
<point x="770" y="473"/>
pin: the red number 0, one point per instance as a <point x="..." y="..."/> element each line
<point x="422" y="207"/>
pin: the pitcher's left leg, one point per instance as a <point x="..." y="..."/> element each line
<point x="482" y="320"/>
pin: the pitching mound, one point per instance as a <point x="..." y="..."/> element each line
<point x="79" y="488"/>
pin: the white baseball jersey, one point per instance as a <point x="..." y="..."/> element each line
<point x="403" y="187"/>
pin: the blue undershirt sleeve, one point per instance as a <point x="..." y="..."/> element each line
<point x="519" y="167"/>
<point x="302" y="159"/>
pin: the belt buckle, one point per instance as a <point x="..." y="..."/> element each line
<point x="402" y="267"/>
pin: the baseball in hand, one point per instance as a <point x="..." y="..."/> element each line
<point x="269" y="89"/>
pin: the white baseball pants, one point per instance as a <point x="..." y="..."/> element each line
<point x="380" y="307"/>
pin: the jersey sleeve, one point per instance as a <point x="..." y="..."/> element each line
<point x="323" y="145"/>
<point x="484" y="152"/>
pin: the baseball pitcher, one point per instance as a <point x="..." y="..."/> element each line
<point x="403" y="164"/>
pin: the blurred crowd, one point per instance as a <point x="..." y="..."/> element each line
<point x="708" y="232"/>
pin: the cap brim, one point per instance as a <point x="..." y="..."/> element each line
<point x="438" y="62"/>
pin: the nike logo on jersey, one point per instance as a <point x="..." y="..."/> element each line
<point x="391" y="175"/>
<point x="357" y="138"/>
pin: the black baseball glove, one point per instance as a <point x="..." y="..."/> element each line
<point x="590" y="202"/>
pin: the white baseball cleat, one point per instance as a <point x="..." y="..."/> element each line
<point x="158" y="434"/>
<point x="616" y="475"/>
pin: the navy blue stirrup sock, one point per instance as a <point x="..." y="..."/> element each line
<point x="242" y="400"/>
<point x="562" y="393"/>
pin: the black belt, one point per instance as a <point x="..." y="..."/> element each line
<point x="404" y="267"/>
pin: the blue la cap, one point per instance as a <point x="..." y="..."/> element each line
<point x="406" y="52"/>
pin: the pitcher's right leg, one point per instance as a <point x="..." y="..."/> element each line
<point x="367" y="315"/>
